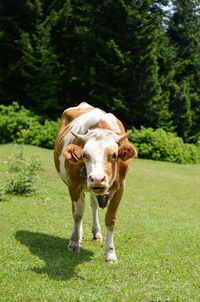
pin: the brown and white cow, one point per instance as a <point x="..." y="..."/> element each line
<point x="92" y="154"/>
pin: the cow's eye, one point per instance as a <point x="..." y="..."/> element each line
<point x="114" y="156"/>
<point x="86" y="156"/>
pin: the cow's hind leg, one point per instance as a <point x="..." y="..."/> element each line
<point x="77" y="232"/>
<point x="96" y="228"/>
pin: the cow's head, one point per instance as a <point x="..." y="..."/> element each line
<point x="100" y="153"/>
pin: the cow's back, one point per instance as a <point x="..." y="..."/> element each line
<point x="71" y="114"/>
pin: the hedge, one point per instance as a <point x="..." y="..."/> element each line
<point x="18" y="124"/>
<point x="161" y="145"/>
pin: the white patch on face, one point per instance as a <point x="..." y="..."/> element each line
<point x="94" y="165"/>
<point x="95" y="148"/>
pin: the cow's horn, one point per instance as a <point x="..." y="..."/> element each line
<point x="78" y="135"/>
<point x="122" y="137"/>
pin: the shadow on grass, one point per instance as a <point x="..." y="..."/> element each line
<point x="60" y="264"/>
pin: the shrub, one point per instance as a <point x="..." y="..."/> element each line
<point x="21" y="183"/>
<point x="161" y="145"/>
<point x="18" y="123"/>
<point x="13" y="119"/>
<point x="18" y="162"/>
<point x="42" y="135"/>
<point x="21" y="175"/>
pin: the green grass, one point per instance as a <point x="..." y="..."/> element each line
<point x="157" y="238"/>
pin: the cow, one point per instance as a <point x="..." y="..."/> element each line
<point x="92" y="153"/>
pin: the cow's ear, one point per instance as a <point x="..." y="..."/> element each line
<point x="73" y="153"/>
<point x="126" y="151"/>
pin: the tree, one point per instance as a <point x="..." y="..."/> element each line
<point x="15" y="17"/>
<point x="39" y="67"/>
<point x="115" y="54"/>
<point x="148" y="102"/>
<point x="110" y="54"/>
<point x="184" y="33"/>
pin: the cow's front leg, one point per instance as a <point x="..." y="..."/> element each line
<point x="110" y="249"/>
<point x="77" y="232"/>
<point x="96" y="228"/>
<point x="110" y="221"/>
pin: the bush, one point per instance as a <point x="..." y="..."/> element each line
<point x="42" y="135"/>
<point x="161" y="145"/>
<point x="13" y="119"/>
<point x="21" y="175"/>
<point x="18" y="123"/>
<point x="20" y="183"/>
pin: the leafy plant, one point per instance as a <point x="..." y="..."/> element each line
<point x="13" y="119"/>
<point x="19" y="125"/>
<point x="21" y="173"/>
<point x="20" y="183"/>
<point x="161" y="145"/>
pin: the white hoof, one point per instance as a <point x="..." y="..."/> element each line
<point x="74" y="246"/>
<point x="98" y="237"/>
<point x="111" y="258"/>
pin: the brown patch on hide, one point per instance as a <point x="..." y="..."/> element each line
<point x="102" y="125"/>
<point x="116" y="193"/>
<point x="57" y="152"/>
<point x="121" y="127"/>
<point x="109" y="162"/>
<point x="111" y="214"/>
<point x="75" y="194"/>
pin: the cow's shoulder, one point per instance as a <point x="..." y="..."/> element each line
<point x="72" y="113"/>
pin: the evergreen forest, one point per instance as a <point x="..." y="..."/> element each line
<point x="139" y="59"/>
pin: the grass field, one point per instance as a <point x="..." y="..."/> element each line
<point x="157" y="238"/>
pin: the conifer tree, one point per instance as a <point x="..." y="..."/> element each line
<point x="148" y="102"/>
<point x="15" y="17"/>
<point x="39" y="67"/>
<point x="184" y="33"/>
<point x="115" y="54"/>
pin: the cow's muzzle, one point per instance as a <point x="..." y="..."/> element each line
<point x="98" y="184"/>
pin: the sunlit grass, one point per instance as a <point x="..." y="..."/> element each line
<point x="157" y="238"/>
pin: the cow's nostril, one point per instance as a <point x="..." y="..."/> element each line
<point x="103" y="179"/>
<point x="91" y="179"/>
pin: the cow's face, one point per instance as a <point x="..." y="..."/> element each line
<point x="100" y="155"/>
